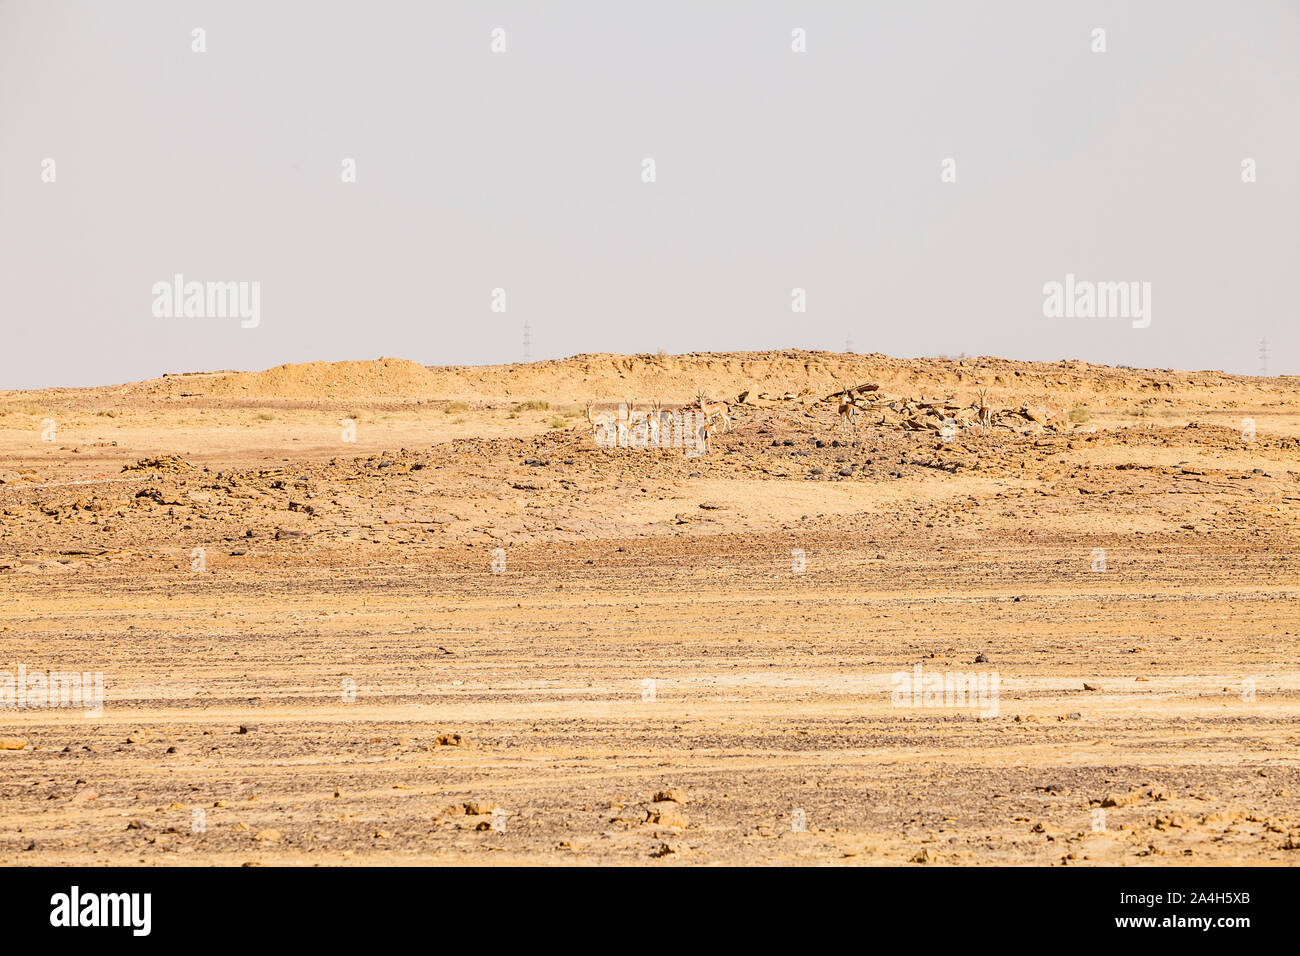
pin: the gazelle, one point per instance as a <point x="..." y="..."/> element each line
<point x="702" y="436"/>
<point x="983" y="414"/>
<point x="847" y="412"/>
<point x="712" y="410"/>
<point x="603" y="426"/>
<point x="656" y="421"/>
<point x="638" y="422"/>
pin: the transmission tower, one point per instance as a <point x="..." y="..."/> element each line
<point x="528" y="342"/>
<point x="1263" y="356"/>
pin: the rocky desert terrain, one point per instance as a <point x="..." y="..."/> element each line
<point x="382" y="613"/>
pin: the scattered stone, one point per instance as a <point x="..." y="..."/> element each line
<point x="1123" y="800"/>
<point x="667" y="814"/>
<point x="669" y="849"/>
<point x="161" y="463"/>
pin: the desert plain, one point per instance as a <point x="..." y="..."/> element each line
<point x="377" y="612"/>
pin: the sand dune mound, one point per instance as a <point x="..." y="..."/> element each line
<point x="384" y="378"/>
<point x="677" y="378"/>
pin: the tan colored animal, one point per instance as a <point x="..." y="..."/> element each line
<point x="702" y="435"/>
<point x="657" y="420"/>
<point x="983" y="414"/>
<point x="606" y="430"/>
<point x="638" y="423"/>
<point x="712" y="410"/>
<point x="847" y="412"/>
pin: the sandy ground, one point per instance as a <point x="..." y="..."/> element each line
<point x="471" y="635"/>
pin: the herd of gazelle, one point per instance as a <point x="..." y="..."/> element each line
<point x="650" y="423"/>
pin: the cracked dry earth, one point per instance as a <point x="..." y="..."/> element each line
<point x="340" y="675"/>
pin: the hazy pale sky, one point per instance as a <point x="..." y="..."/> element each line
<point x="523" y="171"/>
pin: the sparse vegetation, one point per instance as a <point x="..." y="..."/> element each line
<point x="266" y="416"/>
<point x="454" y="407"/>
<point x="535" y="405"/>
<point x="1080" y="413"/>
<point x="21" y="408"/>
<point x="557" y="422"/>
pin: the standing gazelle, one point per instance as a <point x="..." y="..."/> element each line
<point x="848" y="411"/>
<point x="983" y="414"/>
<point x="656" y="421"/>
<point x="712" y="410"/>
<point x="702" y="436"/>
<point x="638" y="424"/>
